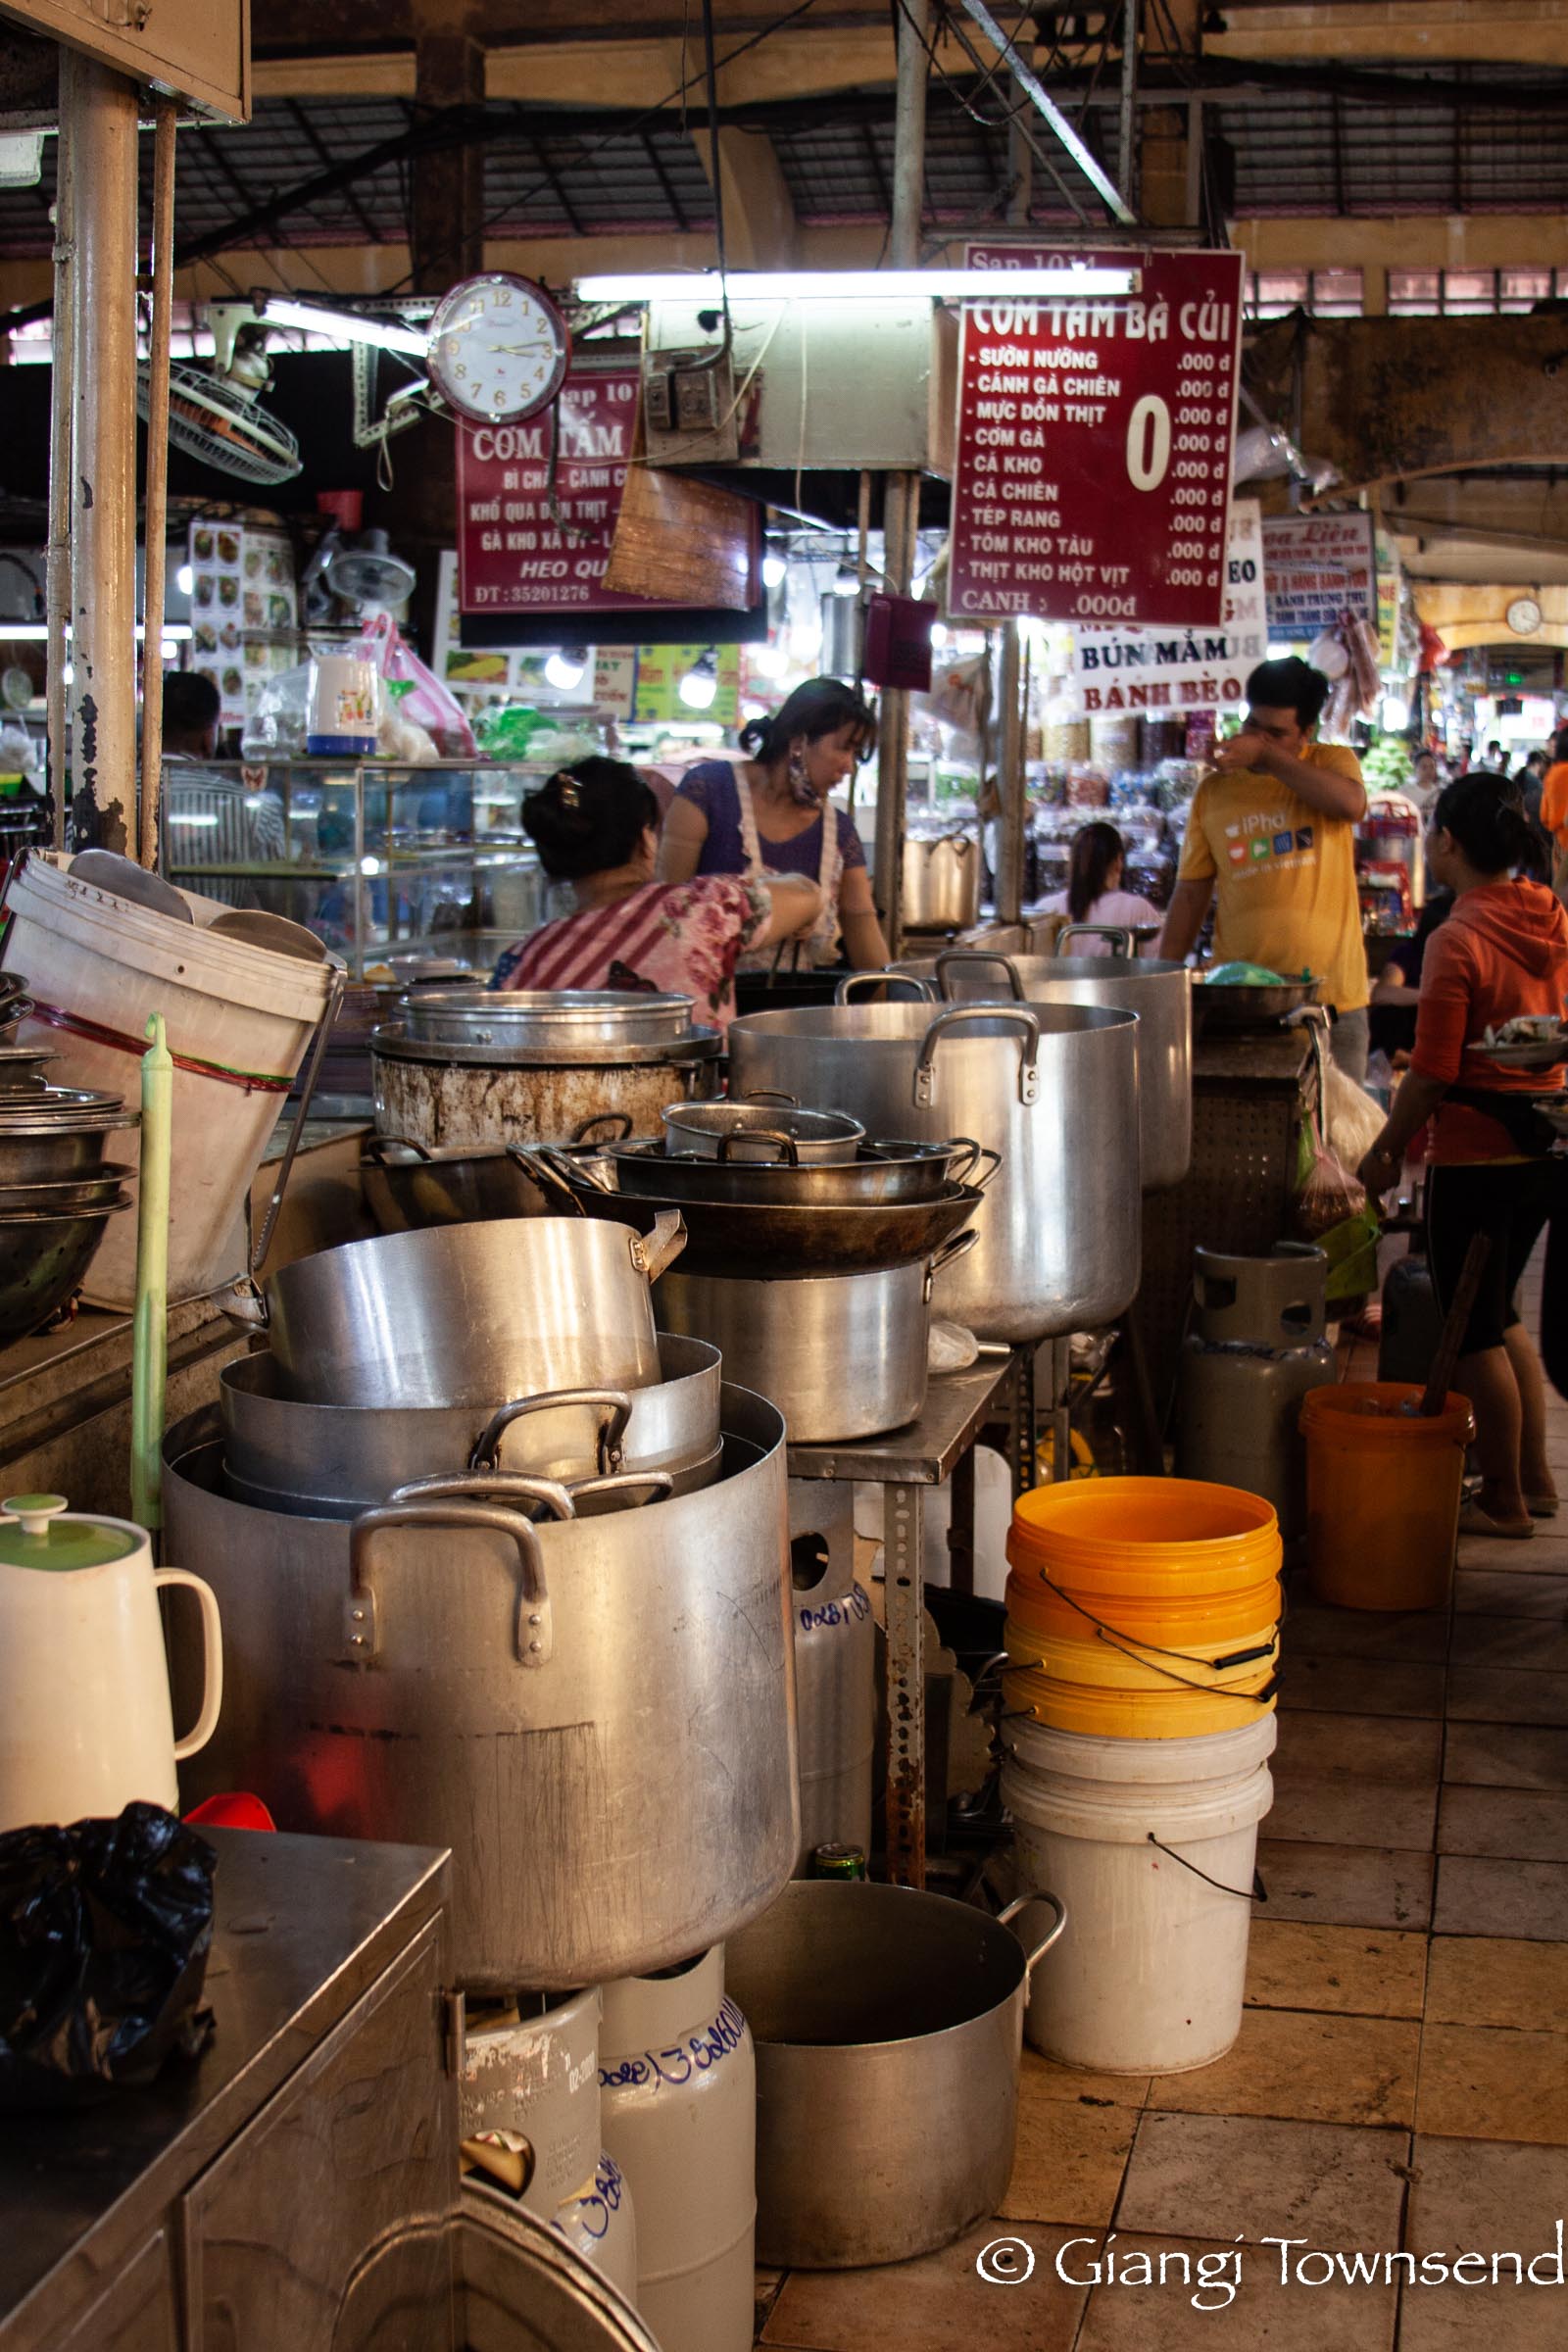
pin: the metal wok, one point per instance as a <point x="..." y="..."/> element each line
<point x="881" y="1175"/>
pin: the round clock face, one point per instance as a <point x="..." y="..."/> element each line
<point x="499" y="348"/>
<point x="1523" y="615"/>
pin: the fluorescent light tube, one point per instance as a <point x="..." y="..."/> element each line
<point x="317" y="320"/>
<point x="860" y="285"/>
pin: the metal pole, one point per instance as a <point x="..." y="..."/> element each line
<point x="1127" y="137"/>
<point x="156" y="503"/>
<point x="1009" y="729"/>
<point x="61" y="401"/>
<point x="98" y="118"/>
<point x="902" y="508"/>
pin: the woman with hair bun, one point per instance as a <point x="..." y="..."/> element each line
<point x="1502" y="952"/>
<point x="770" y="814"/>
<point x="1094" y="892"/>
<point x="595" y="825"/>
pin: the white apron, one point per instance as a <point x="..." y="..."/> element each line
<point x="820" y="944"/>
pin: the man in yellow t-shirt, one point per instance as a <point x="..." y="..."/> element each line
<point x="1272" y="830"/>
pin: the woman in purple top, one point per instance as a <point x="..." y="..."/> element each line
<point x="770" y="814"/>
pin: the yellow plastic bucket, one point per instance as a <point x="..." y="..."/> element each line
<point x="1108" y="1714"/>
<point x="1108" y="1661"/>
<point x="1072" y="1614"/>
<point x="1382" y="1490"/>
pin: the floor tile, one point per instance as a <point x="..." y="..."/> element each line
<point x="1349" y="1970"/>
<point x="1516" y="1824"/>
<point x="1494" y="1694"/>
<point x="1360" y="1687"/>
<point x="1069" y="2162"/>
<point x="1288" y="2063"/>
<point x="1530" y="1591"/>
<point x="1321" y="1633"/>
<point x="1293" y="2318"/>
<point x="1323" y="1808"/>
<point x="1487" y="2197"/>
<point x="936" y="2304"/>
<point x="1350" y="1885"/>
<point x="1506" y="1756"/>
<point x="1373" y="1747"/>
<point x="1497" y="1980"/>
<point x="1479" y="1897"/>
<point x="1541" y="1554"/>
<point x="1210" y="2176"/>
<point x="1489" y="2082"/>
<point x="1510" y="1642"/>
<point x="1043" y="2078"/>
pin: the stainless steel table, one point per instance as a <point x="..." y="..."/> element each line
<point x="904" y="1464"/>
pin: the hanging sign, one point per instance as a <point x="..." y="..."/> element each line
<point x="1184" y="669"/>
<point x="1317" y="568"/>
<point x="1092" y="480"/>
<point x="518" y="550"/>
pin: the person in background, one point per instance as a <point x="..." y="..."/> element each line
<point x="1426" y="780"/>
<point x="595" y="825"/>
<point x="1494" y="759"/>
<point x="1502" y="951"/>
<point x="1554" y="811"/>
<point x="1271" y="837"/>
<point x="770" y="814"/>
<point x="1094" y="892"/>
<point x="211" y="819"/>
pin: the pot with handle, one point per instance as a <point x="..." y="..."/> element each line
<point x="881" y="1174"/>
<point x="332" y="1460"/>
<point x="752" y="1128"/>
<point x="466" y="1315"/>
<point x="85" y="1724"/>
<point x="941" y="882"/>
<point x="842" y="1356"/>
<point x="889" y="2030"/>
<point x="1051" y="1088"/>
<point x="616" y="1797"/>
<point x="1160" y="993"/>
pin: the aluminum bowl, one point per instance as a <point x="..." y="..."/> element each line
<point x="65" y="1195"/>
<point x="43" y="1257"/>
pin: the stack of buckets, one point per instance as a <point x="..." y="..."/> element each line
<point x="1143" y="1640"/>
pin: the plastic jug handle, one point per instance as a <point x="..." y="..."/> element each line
<point x="211" y="1659"/>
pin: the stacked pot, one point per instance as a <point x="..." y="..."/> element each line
<point x="470" y="1069"/>
<point x="811" y="1254"/>
<point x="462" y="1517"/>
<point x="56" y="1190"/>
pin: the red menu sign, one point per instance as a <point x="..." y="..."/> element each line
<point x="1094" y="439"/>
<point x="517" y="552"/>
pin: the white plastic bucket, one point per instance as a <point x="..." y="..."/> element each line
<point x="239" y="1020"/>
<point x="1150" y="1975"/>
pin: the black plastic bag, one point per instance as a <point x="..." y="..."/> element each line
<point x="104" y="1934"/>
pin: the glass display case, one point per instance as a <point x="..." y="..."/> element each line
<point x="384" y="862"/>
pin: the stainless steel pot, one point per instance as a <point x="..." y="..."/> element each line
<point x="742" y="1131"/>
<point x="406" y="1188"/>
<point x="941" y="882"/>
<point x="595" y="1715"/>
<point x="1053" y="1088"/>
<point x="889" y="2028"/>
<point x="466" y="1315"/>
<point x="336" y="1459"/>
<point x="842" y="1356"/>
<point x="552" y="1024"/>
<point x="883" y="1173"/>
<point x="472" y="1097"/>
<point x="1160" y="993"/>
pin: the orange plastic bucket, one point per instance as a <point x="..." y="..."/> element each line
<point x="1383" y="1492"/>
<point x="1072" y="1614"/>
<point x="1162" y="1559"/>
<point x="1108" y="1714"/>
<point x="1114" y="1663"/>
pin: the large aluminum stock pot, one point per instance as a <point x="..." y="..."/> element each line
<point x="1160" y="993"/>
<point x="889" y="2027"/>
<point x="595" y="1715"/>
<point x="332" y="1460"/>
<point x="1053" y="1088"/>
<point x="941" y="882"/>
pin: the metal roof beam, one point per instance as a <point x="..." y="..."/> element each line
<point x="1039" y="96"/>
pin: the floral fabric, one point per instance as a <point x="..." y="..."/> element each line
<point x="685" y="937"/>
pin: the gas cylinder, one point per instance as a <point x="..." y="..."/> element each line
<point x="1412" y="1324"/>
<point x="1257" y="1348"/>
<point x="835" y="1670"/>
<point x="529" y="2119"/>
<point x="677" y="2078"/>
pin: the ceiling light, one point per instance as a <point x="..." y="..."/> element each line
<point x="775" y="571"/>
<point x="708" y="288"/>
<point x="769" y="660"/>
<point x="699" y="687"/>
<point x="184" y="579"/>
<point x="279" y="309"/>
<point x="565" y="668"/>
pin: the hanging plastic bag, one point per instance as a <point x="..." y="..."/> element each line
<point x="1353" y="1120"/>
<point x="423" y="701"/>
<point x="1329" y="1205"/>
<point x="104" y="1934"/>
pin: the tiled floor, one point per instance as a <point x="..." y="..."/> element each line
<point x="1400" y="2083"/>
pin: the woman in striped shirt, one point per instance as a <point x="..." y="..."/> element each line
<point x="595" y="825"/>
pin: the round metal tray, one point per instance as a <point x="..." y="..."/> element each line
<point x="394" y="1043"/>
<point x="545" y="1022"/>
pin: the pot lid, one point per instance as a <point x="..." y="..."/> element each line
<point x="60" y="1109"/>
<point x="42" y="1530"/>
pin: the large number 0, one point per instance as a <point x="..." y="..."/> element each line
<point x="1148" y="443"/>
